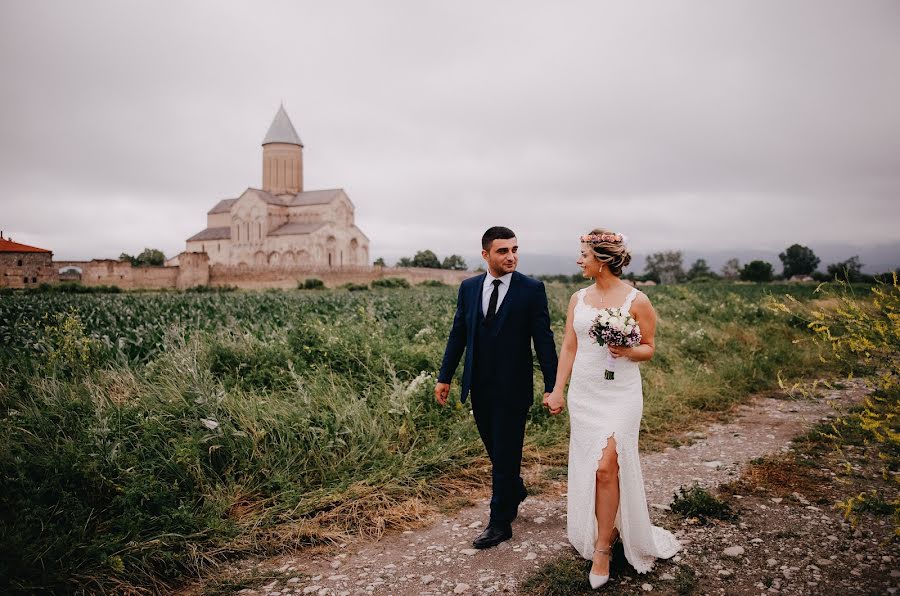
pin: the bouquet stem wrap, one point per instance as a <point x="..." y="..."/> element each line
<point x="610" y="372"/>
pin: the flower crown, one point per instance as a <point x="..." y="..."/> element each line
<point x="599" y="238"/>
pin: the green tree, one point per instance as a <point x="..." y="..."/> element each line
<point x="666" y="266"/>
<point x="455" y="262"/>
<point x="731" y="269"/>
<point x="149" y="257"/>
<point x="700" y="270"/>
<point x="405" y="262"/>
<point x="426" y="259"/>
<point x="379" y="262"/>
<point x="798" y="260"/>
<point x="153" y="257"/>
<point x="757" y="271"/>
<point x="851" y="270"/>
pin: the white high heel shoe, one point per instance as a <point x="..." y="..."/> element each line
<point x="598" y="580"/>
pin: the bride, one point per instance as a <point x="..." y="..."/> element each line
<point x="606" y="489"/>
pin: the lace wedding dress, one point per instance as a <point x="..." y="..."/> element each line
<point x="598" y="409"/>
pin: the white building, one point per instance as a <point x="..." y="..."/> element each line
<point x="280" y="224"/>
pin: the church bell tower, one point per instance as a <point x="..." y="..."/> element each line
<point x="282" y="157"/>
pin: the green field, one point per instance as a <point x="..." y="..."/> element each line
<point x="147" y="436"/>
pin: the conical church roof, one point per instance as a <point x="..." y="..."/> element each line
<point x="282" y="131"/>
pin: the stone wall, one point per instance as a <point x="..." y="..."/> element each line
<point x="108" y="272"/>
<point x="26" y="269"/>
<point x="193" y="269"/>
<point x="259" y="277"/>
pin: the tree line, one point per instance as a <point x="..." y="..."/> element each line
<point x="798" y="262"/>
<point x="666" y="267"/>
<point x="429" y="260"/>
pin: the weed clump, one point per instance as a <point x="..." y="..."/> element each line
<point x="390" y="282"/>
<point x="697" y="502"/>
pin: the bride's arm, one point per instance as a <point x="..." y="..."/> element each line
<point x="556" y="401"/>
<point x="646" y="317"/>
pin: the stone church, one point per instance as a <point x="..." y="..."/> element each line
<point x="281" y="225"/>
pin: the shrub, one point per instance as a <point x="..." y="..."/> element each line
<point x="433" y="283"/>
<point x="71" y="287"/>
<point x="390" y="282"/>
<point x="352" y="287"/>
<point x="863" y="337"/>
<point x="312" y="283"/>
<point x="757" y="271"/>
<point x="210" y="289"/>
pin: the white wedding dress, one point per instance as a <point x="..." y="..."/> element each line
<point x="598" y="409"/>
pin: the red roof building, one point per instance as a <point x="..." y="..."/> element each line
<point x="7" y="245"/>
<point x="22" y="266"/>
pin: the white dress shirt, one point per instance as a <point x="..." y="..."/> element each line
<point x="488" y="288"/>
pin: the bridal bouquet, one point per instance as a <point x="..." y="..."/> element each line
<point x="614" y="327"/>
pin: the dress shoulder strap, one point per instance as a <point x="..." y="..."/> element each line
<point x="631" y="296"/>
<point x="579" y="302"/>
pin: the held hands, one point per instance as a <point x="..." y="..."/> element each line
<point x="441" y="393"/>
<point x="554" y="402"/>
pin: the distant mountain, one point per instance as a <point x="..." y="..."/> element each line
<point x="875" y="259"/>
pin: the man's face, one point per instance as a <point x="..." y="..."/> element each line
<point x="503" y="256"/>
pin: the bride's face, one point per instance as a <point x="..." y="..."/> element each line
<point x="590" y="266"/>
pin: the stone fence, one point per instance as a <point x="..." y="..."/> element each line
<point x="267" y="277"/>
<point x="193" y="269"/>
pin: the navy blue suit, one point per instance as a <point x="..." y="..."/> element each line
<point x="499" y="374"/>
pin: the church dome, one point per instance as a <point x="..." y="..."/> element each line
<point x="282" y="131"/>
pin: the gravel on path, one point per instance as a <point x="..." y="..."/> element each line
<point x="439" y="558"/>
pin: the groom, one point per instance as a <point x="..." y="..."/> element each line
<point x="498" y="314"/>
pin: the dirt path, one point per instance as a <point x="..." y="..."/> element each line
<point x="439" y="559"/>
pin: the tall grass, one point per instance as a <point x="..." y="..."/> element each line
<point x="862" y="337"/>
<point x="144" y="438"/>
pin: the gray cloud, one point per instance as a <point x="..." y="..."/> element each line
<point x="687" y="125"/>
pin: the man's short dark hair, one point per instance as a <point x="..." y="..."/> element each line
<point x="495" y="233"/>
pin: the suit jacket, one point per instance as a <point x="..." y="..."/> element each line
<point x="522" y="317"/>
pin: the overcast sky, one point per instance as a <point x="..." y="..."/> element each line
<point x="685" y="125"/>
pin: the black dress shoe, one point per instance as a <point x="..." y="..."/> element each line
<point x="492" y="536"/>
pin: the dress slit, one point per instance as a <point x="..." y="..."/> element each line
<point x="617" y="518"/>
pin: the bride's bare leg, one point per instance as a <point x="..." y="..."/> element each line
<point x="606" y="504"/>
